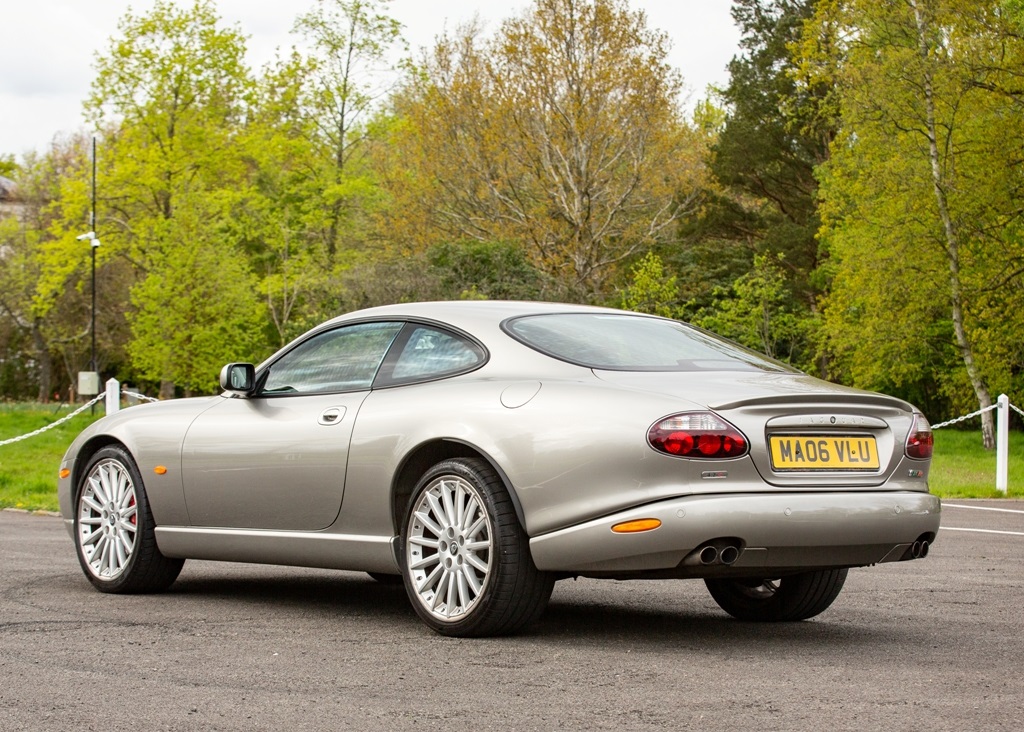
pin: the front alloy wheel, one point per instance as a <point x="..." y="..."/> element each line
<point x="467" y="566"/>
<point x="108" y="520"/>
<point x="114" y="528"/>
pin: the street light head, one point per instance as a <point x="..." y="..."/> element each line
<point x="90" y="235"/>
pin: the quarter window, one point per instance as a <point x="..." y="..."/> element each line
<point x="430" y="352"/>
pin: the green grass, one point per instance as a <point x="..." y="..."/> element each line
<point x="28" y="469"/>
<point x="961" y="468"/>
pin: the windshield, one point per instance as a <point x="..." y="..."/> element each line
<point x="634" y="343"/>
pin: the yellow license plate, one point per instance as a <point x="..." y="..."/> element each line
<point x="817" y="452"/>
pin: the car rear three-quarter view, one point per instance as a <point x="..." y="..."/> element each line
<point x="481" y="451"/>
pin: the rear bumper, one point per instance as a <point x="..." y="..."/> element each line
<point x="788" y="532"/>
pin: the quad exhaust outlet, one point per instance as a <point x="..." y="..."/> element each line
<point x="719" y="551"/>
<point x="919" y="549"/>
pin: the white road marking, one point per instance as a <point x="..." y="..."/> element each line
<point x="980" y="508"/>
<point x="983" y="531"/>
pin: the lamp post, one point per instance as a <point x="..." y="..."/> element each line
<point x="93" y="244"/>
<point x="92" y="379"/>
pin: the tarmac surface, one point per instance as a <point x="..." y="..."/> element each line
<point x="936" y="644"/>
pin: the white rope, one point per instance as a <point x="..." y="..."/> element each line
<point x="58" y="422"/>
<point x="965" y="417"/>
<point x="1018" y="410"/>
<point x="136" y="395"/>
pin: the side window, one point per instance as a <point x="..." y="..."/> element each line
<point x="430" y="352"/>
<point x="344" y="359"/>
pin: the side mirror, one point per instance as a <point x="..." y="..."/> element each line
<point x="238" y="378"/>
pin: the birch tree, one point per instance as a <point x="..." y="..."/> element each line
<point x="922" y="200"/>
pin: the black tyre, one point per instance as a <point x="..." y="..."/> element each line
<point x="794" y="597"/>
<point x="466" y="560"/>
<point x="114" y="528"/>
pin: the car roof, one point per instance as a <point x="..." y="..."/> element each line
<point x="466" y="313"/>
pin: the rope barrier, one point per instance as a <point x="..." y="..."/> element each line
<point x="41" y="430"/>
<point x="62" y="420"/>
<point x="136" y="395"/>
<point x="989" y="408"/>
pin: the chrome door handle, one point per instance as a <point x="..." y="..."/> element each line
<point x="331" y="415"/>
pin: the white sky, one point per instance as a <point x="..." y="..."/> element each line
<point x="47" y="47"/>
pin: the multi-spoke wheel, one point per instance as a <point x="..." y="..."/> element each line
<point x="467" y="564"/>
<point x="114" y="528"/>
<point x="793" y="597"/>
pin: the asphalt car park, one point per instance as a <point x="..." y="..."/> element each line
<point x="934" y="644"/>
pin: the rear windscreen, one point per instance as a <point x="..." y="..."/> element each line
<point x="634" y="343"/>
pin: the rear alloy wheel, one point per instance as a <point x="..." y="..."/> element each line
<point x="114" y="528"/>
<point x="466" y="559"/>
<point x="794" y="597"/>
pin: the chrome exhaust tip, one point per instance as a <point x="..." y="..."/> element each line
<point x="729" y="555"/>
<point x="708" y="555"/>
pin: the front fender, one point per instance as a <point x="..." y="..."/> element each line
<point x="153" y="434"/>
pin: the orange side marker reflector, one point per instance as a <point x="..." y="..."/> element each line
<point x="159" y="470"/>
<point x="632" y="527"/>
<point x="64" y="472"/>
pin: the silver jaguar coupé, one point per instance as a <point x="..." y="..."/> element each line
<point x="480" y="451"/>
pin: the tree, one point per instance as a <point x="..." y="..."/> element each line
<point x="562" y="132"/>
<point x="757" y="311"/>
<point x="445" y="271"/>
<point x="651" y="290"/>
<point x="762" y="199"/>
<point x="172" y="88"/>
<point x="349" y="40"/>
<point x="195" y="309"/>
<point x="921" y="200"/>
<point x="44" y="275"/>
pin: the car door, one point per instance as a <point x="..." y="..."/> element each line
<point x="277" y="460"/>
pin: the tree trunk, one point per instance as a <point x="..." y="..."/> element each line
<point x="166" y="389"/>
<point x="952" y="238"/>
<point x="45" y="363"/>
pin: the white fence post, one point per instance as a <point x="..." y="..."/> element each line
<point x="1002" y="441"/>
<point x="113" y="402"/>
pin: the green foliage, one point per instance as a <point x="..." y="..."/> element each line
<point x="465" y="270"/>
<point x="484" y="270"/>
<point x="195" y="310"/>
<point x="756" y="310"/>
<point x="651" y="290"/>
<point x="8" y="166"/>
<point x="921" y="200"/>
<point x="349" y="41"/>
<point x="749" y="264"/>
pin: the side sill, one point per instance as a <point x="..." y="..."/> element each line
<point x="290" y="548"/>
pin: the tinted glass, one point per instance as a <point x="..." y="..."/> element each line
<point x="432" y="352"/>
<point x="633" y="343"/>
<point x="345" y="359"/>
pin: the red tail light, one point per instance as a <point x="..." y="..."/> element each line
<point x="920" y="441"/>
<point x="697" y="435"/>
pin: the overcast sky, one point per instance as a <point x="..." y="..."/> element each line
<point x="47" y="47"/>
